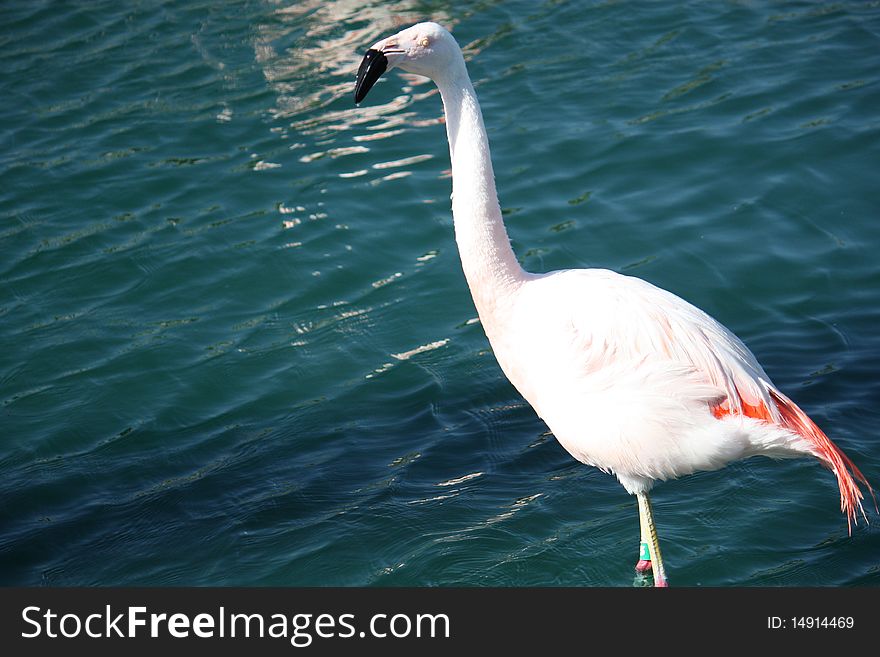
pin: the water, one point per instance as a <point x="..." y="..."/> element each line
<point x="238" y="347"/>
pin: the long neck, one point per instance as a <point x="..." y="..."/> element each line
<point x="489" y="264"/>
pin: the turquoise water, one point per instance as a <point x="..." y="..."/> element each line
<point x="238" y="347"/>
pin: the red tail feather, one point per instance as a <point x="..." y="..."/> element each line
<point x="831" y="455"/>
<point x="794" y="419"/>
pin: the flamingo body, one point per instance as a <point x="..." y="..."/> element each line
<point x="638" y="382"/>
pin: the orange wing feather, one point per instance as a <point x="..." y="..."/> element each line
<point x="795" y="420"/>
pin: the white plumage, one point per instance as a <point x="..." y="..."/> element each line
<point x="629" y="377"/>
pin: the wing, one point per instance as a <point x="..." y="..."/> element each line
<point x="629" y="319"/>
<point x="634" y="320"/>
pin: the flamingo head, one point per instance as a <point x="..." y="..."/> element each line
<point x="424" y="49"/>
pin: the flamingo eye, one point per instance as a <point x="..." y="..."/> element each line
<point x="424" y="42"/>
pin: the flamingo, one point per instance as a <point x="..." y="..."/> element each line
<point x="629" y="378"/>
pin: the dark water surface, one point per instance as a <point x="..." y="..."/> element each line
<point x="238" y="347"/>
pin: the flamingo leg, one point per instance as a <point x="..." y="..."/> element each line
<point x="644" y="562"/>
<point x="649" y="532"/>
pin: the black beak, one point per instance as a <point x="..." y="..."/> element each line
<point x="371" y="69"/>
